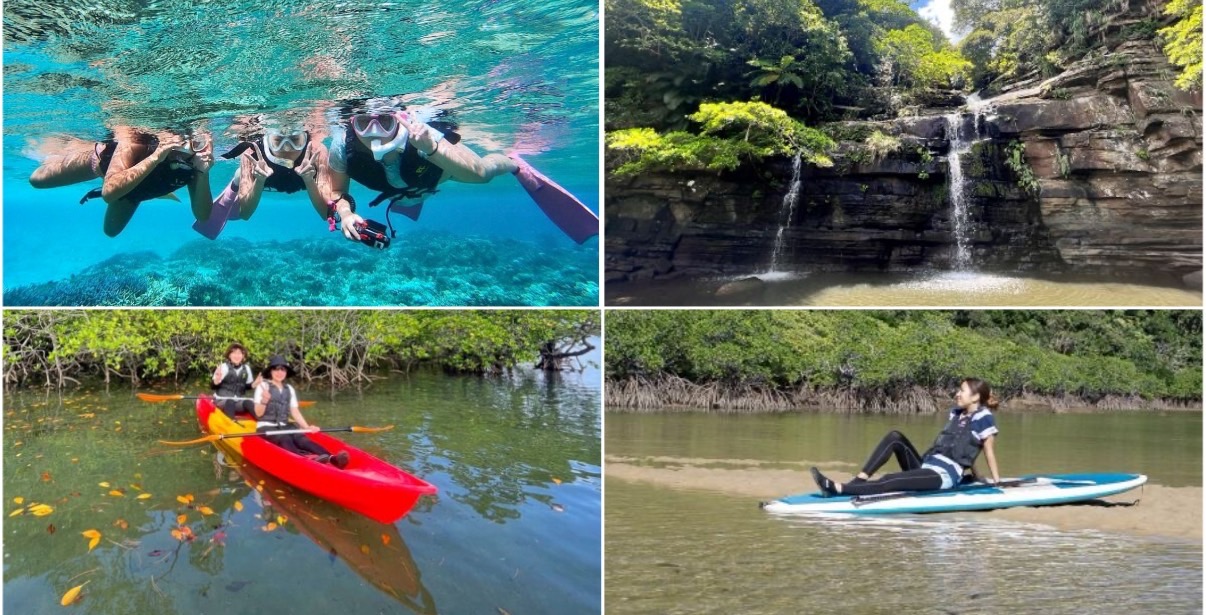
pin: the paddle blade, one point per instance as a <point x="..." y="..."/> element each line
<point x="158" y="398"/>
<point x="209" y="438"/>
<point x="359" y="429"/>
<point x="305" y="404"/>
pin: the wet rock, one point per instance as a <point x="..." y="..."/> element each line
<point x="744" y="286"/>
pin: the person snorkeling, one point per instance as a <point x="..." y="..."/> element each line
<point x="405" y="154"/>
<point x="275" y="403"/>
<point x="232" y="379"/>
<point x="72" y="161"/>
<point x="145" y="166"/>
<point x="970" y="429"/>
<point x="286" y="158"/>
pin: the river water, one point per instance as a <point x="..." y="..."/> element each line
<point x="685" y="534"/>
<point x="515" y="527"/>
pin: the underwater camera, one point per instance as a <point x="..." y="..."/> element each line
<point x="372" y="234"/>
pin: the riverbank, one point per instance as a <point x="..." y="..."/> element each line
<point x="671" y="394"/>
<point x="1170" y="512"/>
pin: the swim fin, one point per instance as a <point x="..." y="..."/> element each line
<point x="225" y="208"/>
<point x="561" y="207"/>
<point x="410" y="211"/>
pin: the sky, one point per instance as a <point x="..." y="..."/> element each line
<point x="939" y="12"/>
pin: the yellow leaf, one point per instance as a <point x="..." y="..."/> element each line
<point x="271" y="526"/>
<point x="364" y="549"/>
<point x="115" y="493"/>
<point x="385" y="539"/>
<point x="205" y="510"/>
<point x="90" y="533"/>
<point x="16" y="512"/>
<point x="189" y="497"/>
<point x="182" y="499"/>
<point x="92" y="543"/>
<point x="180" y="519"/>
<point x="177" y="535"/>
<point x="104" y="484"/>
<point x="122" y="523"/>
<point x="144" y="496"/>
<point x="238" y="505"/>
<point x="72" y="594"/>
<point x="136" y="486"/>
<point x="18" y="500"/>
<point x="41" y="510"/>
<point x="281" y="519"/>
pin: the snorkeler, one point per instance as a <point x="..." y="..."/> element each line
<point x="405" y="155"/>
<point x="146" y="166"/>
<point x="286" y="159"/>
<point x="74" y="161"/>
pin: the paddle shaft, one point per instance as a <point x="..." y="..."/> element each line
<point x="282" y="432"/>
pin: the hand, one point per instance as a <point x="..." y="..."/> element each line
<point x="168" y="143"/>
<point x="260" y="168"/>
<point x="258" y="381"/>
<point x="421" y="135"/>
<point x="312" y="428"/>
<point x="306" y="168"/>
<point x="266" y="396"/>
<point x="348" y="226"/>
<point x="204" y="159"/>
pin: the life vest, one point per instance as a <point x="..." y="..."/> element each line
<point x="170" y="175"/>
<point x="283" y="179"/>
<point x="420" y="175"/>
<point x="957" y="442"/>
<point x="234" y="383"/>
<point x="104" y="155"/>
<point x="277" y="410"/>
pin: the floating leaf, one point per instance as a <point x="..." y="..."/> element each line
<point x="18" y="500"/>
<point x="51" y="529"/>
<point x="104" y="484"/>
<point x="122" y="523"/>
<point x="41" y="510"/>
<point x="144" y="496"/>
<point x="187" y="532"/>
<point x="16" y="512"/>
<point x="182" y="499"/>
<point x="72" y="594"/>
<point x="281" y="519"/>
<point x="556" y="480"/>
<point x="95" y="537"/>
<point x="385" y="539"/>
<point x="364" y="549"/>
<point x="271" y="526"/>
<point x="136" y="486"/>
<point x="180" y="519"/>
<point x="205" y="510"/>
<point x="238" y="505"/>
<point x="117" y="494"/>
<point x="46" y="478"/>
<point x="177" y="534"/>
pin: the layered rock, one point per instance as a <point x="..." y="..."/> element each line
<point x="1111" y="186"/>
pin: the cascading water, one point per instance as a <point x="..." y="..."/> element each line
<point x="960" y="144"/>
<point x="786" y="211"/>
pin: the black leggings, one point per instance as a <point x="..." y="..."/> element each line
<point x="297" y="443"/>
<point x="230" y="407"/>
<point x="912" y="476"/>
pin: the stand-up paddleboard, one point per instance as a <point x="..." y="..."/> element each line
<point x="564" y="209"/>
<point x="1034" y="490"/>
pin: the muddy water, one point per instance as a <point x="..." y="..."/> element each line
<point x="685" y="535"/>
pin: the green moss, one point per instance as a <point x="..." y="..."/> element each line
<point x="1015" y="159"/>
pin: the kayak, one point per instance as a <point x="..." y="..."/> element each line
<point x="1032" y="490"/>
<point x="368" y="485"/>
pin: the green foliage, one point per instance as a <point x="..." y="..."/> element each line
<point x="153" y="345"/>
<point x="1155" y="354"/>
<point x="1183" y="42"/>
<point x="1015" y="159"/>
<point x="731" y="134"/>
<point x="880" y="144"/>
<point x="919" y="59"/>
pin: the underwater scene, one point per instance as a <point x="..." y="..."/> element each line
<point x="301" y="154"/>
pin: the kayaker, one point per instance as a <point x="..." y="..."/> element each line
<point x="275" y="402"/>
<point x="970" y="428"/>
<point x="232" y="379"/>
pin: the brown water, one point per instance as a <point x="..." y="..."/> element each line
<point x="685" y="535"/>
<point x="860" y="289"/>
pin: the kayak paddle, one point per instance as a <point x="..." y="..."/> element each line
<point x="215" y="437"/>
<point x="162" y="398"/>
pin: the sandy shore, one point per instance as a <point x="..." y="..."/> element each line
<point x="1174" y="512"/>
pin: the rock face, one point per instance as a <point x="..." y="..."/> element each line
<point x="1112" y="176"/>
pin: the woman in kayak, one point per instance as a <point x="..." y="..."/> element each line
<point x="970" y="428"/>
<point x="232" y="379"/>
<point x="275" y="402"/>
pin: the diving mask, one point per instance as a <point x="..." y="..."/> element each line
<point x="277" y="141"/>
<point x="195" y="143"/>
<point x="378" y="127"/>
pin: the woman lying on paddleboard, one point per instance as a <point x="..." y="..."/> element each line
<point x="275" y="402"/>
<point x="970" y="428"/>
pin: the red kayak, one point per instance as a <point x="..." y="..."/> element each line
<point x="367" y="485"/>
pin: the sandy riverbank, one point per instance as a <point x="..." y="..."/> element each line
<point x="1174" y="512"/>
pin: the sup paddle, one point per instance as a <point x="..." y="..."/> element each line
<point x="162" y="398"/>
<point x="226" y="436"/>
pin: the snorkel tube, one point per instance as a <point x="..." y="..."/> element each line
<point x="377" y="133"/>
<point x="284" y="162"/>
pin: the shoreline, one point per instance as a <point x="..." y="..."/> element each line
<point x="1162" y="511"/>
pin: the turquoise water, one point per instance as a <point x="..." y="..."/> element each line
<point x="514" y="76"/>
<point x="515" y="528"/>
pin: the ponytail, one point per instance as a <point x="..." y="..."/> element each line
<point x="986" y="396"/>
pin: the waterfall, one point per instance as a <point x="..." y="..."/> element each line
<point x="960" y="144"/>
<point x="786" y="212"/>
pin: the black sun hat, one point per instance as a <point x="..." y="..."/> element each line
<point x="277" y="361"/>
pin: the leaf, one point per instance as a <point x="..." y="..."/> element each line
<point x="281" y="519"/>
<point x="238" y="505"/>
<point x="90" y="534"/>
<point x="556" y="480"/>
<point x="46" y="478"/>
<point x="178" y="535"/>
<point x="51" y="529"/>
<point x="16" y="512"/>
<point x="182" y="499"/>
<point x="144" y="496"/>
<point x="41" y="510"/>
<point x="72" y="594"/>
<point x="205" y="510"/>
<point x="180" y="519"/>
<point x="92" y="543"/>
<point x="364" y="549"/>
<point x="271" y="526"/>
<point x="18" y="500"/>
<point x="104" y="484"/>
<point x="385" y="539"/>
<point x="117" y="494"/>
<point x="122" y="523"/>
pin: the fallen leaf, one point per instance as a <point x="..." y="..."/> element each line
<point x="18" y="500"/>
<point x="205" y="510"/>
<point x="556" y="480"/>
<point x="41" y="510"/>
<point x="177" y="534"/>
<point x="385" y="539"/>
<point x="180" y="519"/>
<point x="182" y="499"/>
<point x="51" y="529"/>
<point x="271" y="526"/>
<point x="281" y="519"/>
<point x="46" y="478"/>
<point x="16" y="512"/>
<point x="117" y="494"/>
<point x="187" y="532"/>
<point x="136" y="486"/>
<point x="104" y="484"/>
<point x="72" y="594"/>
<point x="364" y="549"/>
<point x="122" y="523"/>
<point x="144" y="496"/>
<point x="238" y="505"/>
